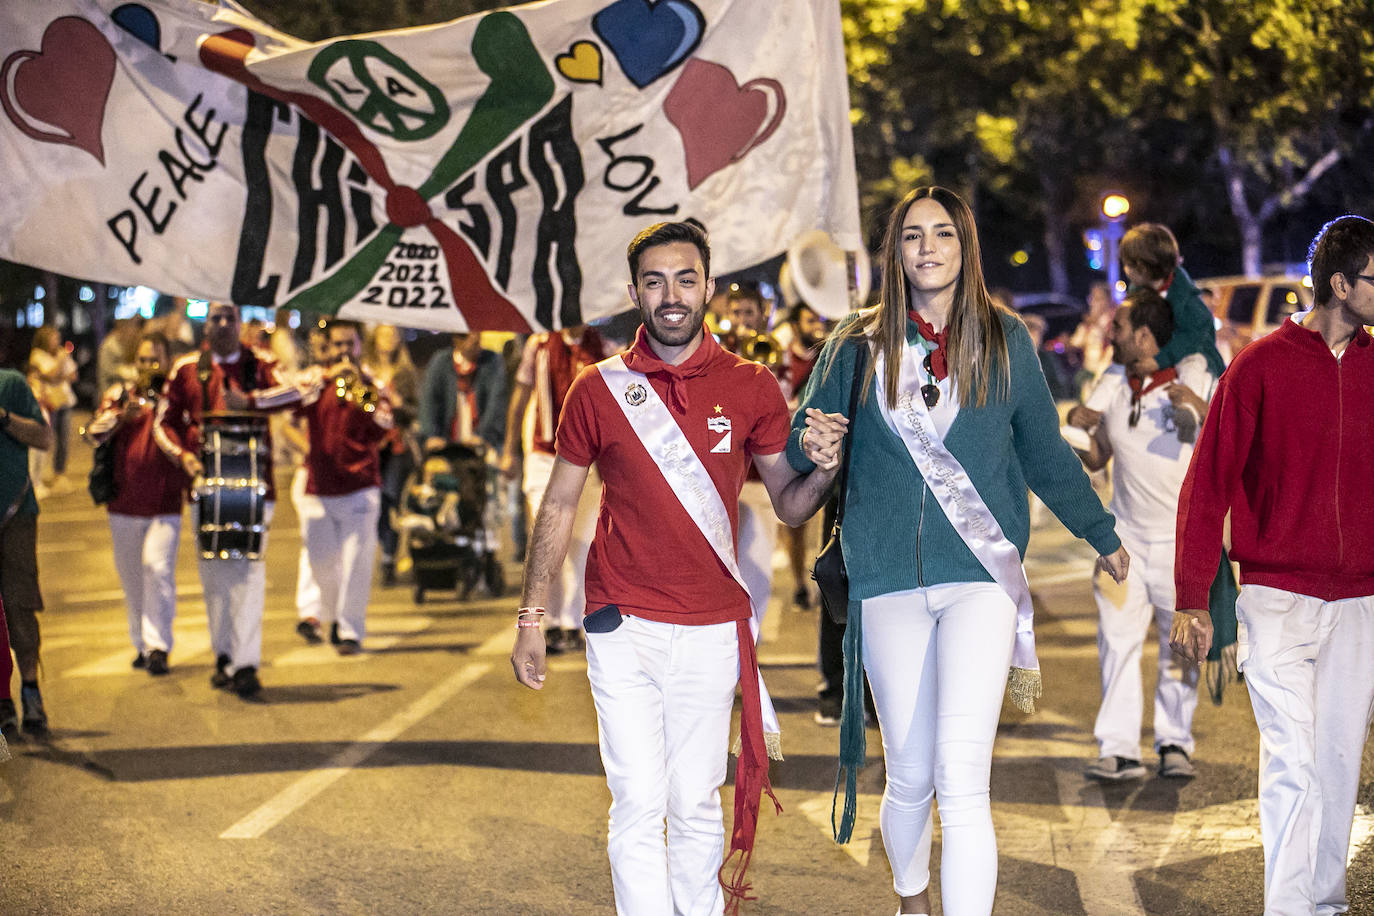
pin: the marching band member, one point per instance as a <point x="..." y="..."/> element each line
<point x="226" y="376"/>
<point x="548" y="366"/>
<point x="346" y="420"/>
<point x="672" y="426"/>
<point x="145" y="513"/>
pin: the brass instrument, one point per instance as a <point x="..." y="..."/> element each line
<point x="352" y="386"/>
<point x="760" y="347"/>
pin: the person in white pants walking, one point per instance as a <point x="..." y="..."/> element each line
<point x="1146" y="426"/>
<point x="1286" y="450"/>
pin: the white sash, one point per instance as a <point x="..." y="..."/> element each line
<point x="689" y="480"/>
<point x="966" y="511"/>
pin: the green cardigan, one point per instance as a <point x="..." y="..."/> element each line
<point x="895" y="536"/>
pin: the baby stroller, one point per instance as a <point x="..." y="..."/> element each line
<point x="444" y="521"/>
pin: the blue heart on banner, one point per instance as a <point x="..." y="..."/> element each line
<point x="650" y="39"/>
<point x="139" y="22"/>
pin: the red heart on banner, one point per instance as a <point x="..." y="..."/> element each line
<point x="64" y="85"/>
<point x="719" y="120"/>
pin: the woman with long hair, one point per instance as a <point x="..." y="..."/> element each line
<point x="953" y="422"/>
<point x="51" y="373"/>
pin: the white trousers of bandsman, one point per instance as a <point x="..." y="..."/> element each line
<point x="235" y="591"/>
<point x="340" y="538"/>
<point x="145" y="557"/>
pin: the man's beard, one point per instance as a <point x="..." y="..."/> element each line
<point x="676" y="336"/>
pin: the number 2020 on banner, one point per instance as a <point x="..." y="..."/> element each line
<point x="407" y="285"/>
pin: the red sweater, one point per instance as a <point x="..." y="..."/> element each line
<point x="1287" y="448"/>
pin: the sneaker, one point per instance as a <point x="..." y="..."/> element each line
<point x="1115" y="769"/>
<point x="388" y="574"/>
<point x="221" y="676"/>
<point x="309" y="630"/>
<point x="348" y="647"/>
<point x="9" y="720"/>
<point x="246" y="683"/>
<point x="157" y="662"/>
<point x="828" y="711"/>
<point x="801" y="598"/>
<point x="1174" y="763"/>
<point x="140" y="661"/>
<point x="334" y="633"/>
<point x="35" y="719"/>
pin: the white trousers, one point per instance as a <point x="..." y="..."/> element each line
<point x="340" y="536"/>
<point x="663" y="695"/>
<point x="937" y="659"/>
<point x="307" y="589"/>
<point x="145" y="556"/>
<point x="234" y="594"/>
<point x="1124" y="613"/>
<point x="567" y="599"/>
<point x="1307" y="668"/>
<point x="758" y="538"/>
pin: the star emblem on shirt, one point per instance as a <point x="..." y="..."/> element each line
<point x="717" y="408"/>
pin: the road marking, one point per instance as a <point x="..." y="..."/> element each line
<point x="113" y="595"/>
<point x="284" y="803"/>
<point x="1062" y="578"/>
<point x="187" y="646"/>
<point x="866" y="835"/>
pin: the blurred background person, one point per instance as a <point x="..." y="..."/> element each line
<point x="115" y="358"/>
<point x="145" y="513"/>
<point x="1092" y="337"/>
<point x="805" y="333"/>
<point x="388" y="362"/>
<point x="51" y="373"/>
<point x="464" y="396"/>
<point x="175" y="326"/>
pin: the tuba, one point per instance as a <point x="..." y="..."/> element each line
<point x="818" y="272"/>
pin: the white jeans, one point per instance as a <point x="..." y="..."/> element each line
<point x="1123" y="618"/>
<point x="307" y="589"/>
<point x="567" y="600"/>
<point x="340" y="536"/>
<point x="663" y="694"/>
<point x="1307" y="667"/>
<point x="937" y="659"/>
<point x="234" y="596"/>
<point x="145" y="556"/>
<point x="758" y="538"/>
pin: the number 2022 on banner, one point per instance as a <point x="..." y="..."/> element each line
<point x="412" y="278"/>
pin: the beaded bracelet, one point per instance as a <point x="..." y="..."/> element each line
<point x="527" y="624"/>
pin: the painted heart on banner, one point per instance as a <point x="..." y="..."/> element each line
<point x="719" y="120"/>
<point x="650" y="39"/>
<point x="64" y="85"/>
<point x="582" y="63"/>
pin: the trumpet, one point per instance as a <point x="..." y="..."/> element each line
<point x="353" y="387"/>
<point x="760" y="347"/>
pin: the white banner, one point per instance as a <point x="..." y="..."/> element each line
<point x="485" y="173"/>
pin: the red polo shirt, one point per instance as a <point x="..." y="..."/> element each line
<point x="648" y="557"/>
<point x="345" y="442"/>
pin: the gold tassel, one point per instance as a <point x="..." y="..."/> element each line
<point x="772" y="742"/>
<point x="1024" y="688"/>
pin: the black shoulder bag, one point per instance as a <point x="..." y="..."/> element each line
<point x="832" y="579"/>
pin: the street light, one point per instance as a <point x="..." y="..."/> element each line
<point x="1114" y="208"/>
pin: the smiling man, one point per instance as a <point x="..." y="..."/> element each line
<point x="671" y="425"/>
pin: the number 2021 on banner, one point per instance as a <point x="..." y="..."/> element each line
<point x="411" y="283"/>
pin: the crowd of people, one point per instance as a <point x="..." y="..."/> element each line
<point x="713" y="437"/>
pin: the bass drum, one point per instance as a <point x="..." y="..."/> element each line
<point x="231" y="495"/>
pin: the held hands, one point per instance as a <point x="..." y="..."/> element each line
<point x="527" y="658"/>
<point x="1190" y="635"/>
<point x="1116" y="565"/>
<point x="1084" y="417"/>
<point x="1183" y="396"/>
<point x="823" y="438"/>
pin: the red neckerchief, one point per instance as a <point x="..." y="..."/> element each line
<point x="1139" y="389"/>
<point x="939" y="362"/>
<point x="1164" y="290"/>
<point x="641" y="358"/>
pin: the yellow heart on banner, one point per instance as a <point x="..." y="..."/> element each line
<point x="582" y="63"/>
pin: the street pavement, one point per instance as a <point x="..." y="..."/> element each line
<point x="419" y="777"/>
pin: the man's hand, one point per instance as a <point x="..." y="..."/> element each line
<point x="527" y="658"/>
<point x="1116" y="565"/>
<point x="191" y="464"/>
<point x="1183" y="396"/>
<point x="236" y="400"/>
<point x="821" y="440"/>
<point x="1084" y="417"/>
<point x="1190" y="635"/>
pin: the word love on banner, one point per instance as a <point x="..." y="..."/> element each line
<point x="485" y="173"/>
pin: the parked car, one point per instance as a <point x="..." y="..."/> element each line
<point x="1247" y="308"/>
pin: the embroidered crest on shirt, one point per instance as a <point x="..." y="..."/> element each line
<point x="635" y="395"/>
<point x="719" y="425"/>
